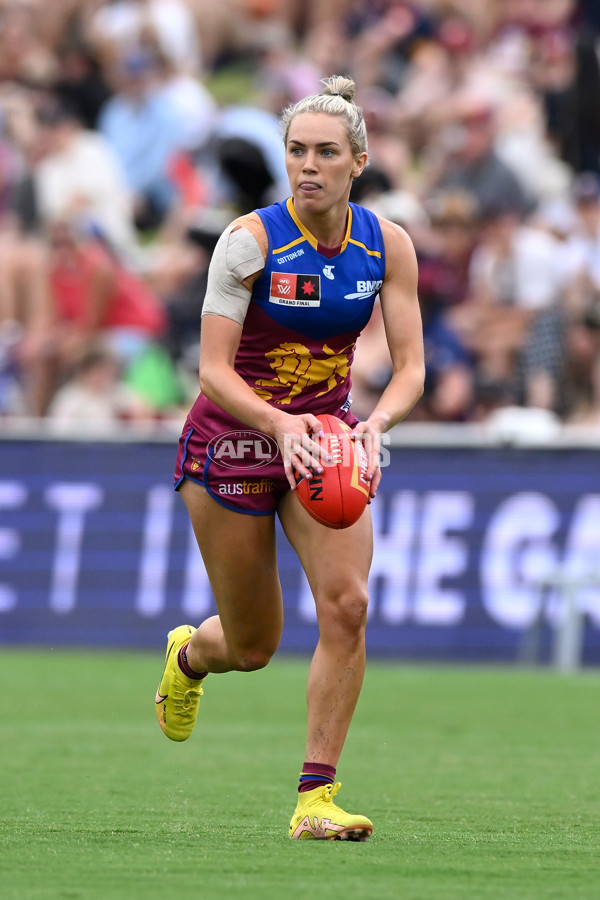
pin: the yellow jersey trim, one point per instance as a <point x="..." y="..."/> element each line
<point x="365" y="248"/>
<point x="307" y="236"/>
<point x="299" y="240"/>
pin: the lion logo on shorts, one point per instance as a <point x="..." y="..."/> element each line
<point x="297" y="369"/>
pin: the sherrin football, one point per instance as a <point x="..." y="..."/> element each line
<point x="336" y="497"/>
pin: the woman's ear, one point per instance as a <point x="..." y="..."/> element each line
<point x="360" y="161"/>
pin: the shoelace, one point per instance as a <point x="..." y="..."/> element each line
<point x="330" y="790"/>
<point x="190" y="698"/>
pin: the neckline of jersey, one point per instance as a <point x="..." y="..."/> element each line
<point x="314" y="243"/>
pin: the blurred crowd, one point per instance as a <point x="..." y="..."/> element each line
<point x="133" y="131"/>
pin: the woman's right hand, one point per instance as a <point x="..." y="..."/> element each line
<point x="302" y="455"/>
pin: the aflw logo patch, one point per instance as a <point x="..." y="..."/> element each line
<point x="288" y="289"/>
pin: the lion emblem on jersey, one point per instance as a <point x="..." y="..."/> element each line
<point x="296" y="369"/>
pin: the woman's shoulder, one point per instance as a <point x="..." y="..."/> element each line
<point x="254" y="226"/>
<point x="395" y="236"/>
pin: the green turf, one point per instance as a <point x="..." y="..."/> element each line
<point x="482" y="783"/>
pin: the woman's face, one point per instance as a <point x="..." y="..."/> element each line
<point x="319" y="162"/>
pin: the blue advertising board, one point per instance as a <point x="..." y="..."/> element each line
<point x="96" y="549"/>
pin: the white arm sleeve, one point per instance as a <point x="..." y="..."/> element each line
<point x="236" y="256"/>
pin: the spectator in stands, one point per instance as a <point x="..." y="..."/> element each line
<point x="81" y="84"/>
<point x="472" y="163"/>
<point x="389" y="149"/>
<point x="250" y="153"/>
<point x="96" y="297"/>
<point x="449" y="393"/>
<point x="442" y="69"/>
<point x="384" y="35"/>
<point x="25" y="318"/>
<point x="120" y="27"/>
<point x="10" y="174"/>
<point x="78" y="176"/>
<point x="581" y="370"/>
<point x="554" y="371"/>
<point x="444" y="266"/>
<point x="583" y="246"/>
<point x="24" y="56"/>
<point x="284" y="75"/>
<point x="20" y="128"/>
<point x="145" y="132"/>
<point x="24" y="292"/>
<point x="94" y="397"/>
<point x="372" y="184"/>
<point x="446" y="255"/>
<point x="566" y="72"/>
<point x="193" y="105"/>
<point x="179" y="276"/>
<point x="515" y="274"/>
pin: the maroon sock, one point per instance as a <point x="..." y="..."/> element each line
<point x="185" y="666"/>
<point x="315" y="775"/>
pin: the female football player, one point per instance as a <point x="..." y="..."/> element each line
<point x="290" y="288"/>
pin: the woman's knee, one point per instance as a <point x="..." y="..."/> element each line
<point x="250" y="659"/>
<point x="344" y="611"/>
<point x="253" y="650"/>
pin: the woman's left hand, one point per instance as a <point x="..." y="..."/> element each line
<point x="370" y="437"/>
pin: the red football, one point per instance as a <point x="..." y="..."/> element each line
<point x="338" y="496"/>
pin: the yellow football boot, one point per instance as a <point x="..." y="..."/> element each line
<point x="318" y="818"/>
<point x="177" y="697"/>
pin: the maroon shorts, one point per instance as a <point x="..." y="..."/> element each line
<point x="241" y="469"/>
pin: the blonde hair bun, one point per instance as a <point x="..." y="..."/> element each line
<point x="336" y="99"/>
<point x="339" y="85"/>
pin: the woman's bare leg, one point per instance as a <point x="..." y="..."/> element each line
<point x="337" y="566"/>
<point x="240" y="559"/>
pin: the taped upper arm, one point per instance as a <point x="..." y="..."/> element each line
<point x="237" y="258"/>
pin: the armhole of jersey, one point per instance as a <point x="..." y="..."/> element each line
<point x="381" y="243"/>
<point x="376" y="224"/>
<point x="267" y="267"/>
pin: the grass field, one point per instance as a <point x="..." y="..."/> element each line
<point x="482" y="783"/>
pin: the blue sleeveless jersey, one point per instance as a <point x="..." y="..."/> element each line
<point x="307" y="311"/>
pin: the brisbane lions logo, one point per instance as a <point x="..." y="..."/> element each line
<point x="296" y="369"/>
